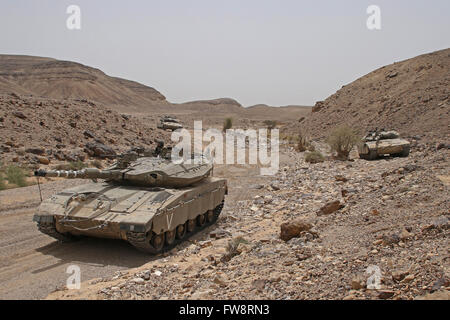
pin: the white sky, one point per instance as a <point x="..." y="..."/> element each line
<point x="255" y="51"/>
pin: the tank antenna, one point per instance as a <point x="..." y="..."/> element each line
<point x="39" y="187"/>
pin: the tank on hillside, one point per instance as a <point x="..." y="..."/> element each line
<point x="169" y="123"/>
<point x="381" y="142"/>
<point x="150" y="202"/>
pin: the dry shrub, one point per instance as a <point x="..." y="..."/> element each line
<point x="303" y="143"/>
<point x="2" y="183"/>
<point x="15" y="175"/>
<point x="314" y="157"/>
<point x="342" y="140"/>
<point x="270" y="124"/>
<point x="228" y="124"/>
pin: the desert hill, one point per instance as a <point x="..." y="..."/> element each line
<point x="34" y="129"/>
<point x="51" y="78"/>
<point x="411" y="96"/>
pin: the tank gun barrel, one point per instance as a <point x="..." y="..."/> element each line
<point x="89" y="173"/>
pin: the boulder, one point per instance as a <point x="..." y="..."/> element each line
<point x="95" y="149"/>
<point x="294" y="229"/>
<point x="330" y="207"/>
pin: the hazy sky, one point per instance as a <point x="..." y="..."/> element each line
<point x="256" y="51"/>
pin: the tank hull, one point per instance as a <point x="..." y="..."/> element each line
<point x="373" y="149"/>
<point x="108" y="210"/>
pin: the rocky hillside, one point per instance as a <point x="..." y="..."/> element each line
<point x="51" y="78"/>
<point x="34" y="130"/>
<point x="411" y="96"/>
<point x="309" y="233"/>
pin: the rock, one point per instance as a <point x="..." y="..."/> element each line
<point x="220" y="281"/>
<point x="275" y="187"/>
<point x="99" y="150"/>
<point x="293" y="229"/>
<point x="399" y="275"/>
<point x="219" y="234"/>
<point x="330" y="207"/>
<point x="390" y="239"/>
<point x="405" y="235"/>
<point x="43" y="160"/>
<point x="341" y="178"/>
<point x="19" y="114"/>
<point x="385" y="294"/>
<point x="409" y="278"/>
<point x="89" y="134"/>
<point x="138" y="280"/>
<point x="442" y="145"/>
<point x="259" y="284"/>
<point x="358" y="282"/>
<point x="38" y="151"/>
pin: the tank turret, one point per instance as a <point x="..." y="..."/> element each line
<point x="145" y="171"/>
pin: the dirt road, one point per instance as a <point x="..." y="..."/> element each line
<point x="32" y="265"/>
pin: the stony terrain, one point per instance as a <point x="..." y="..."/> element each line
<point x="411" y="96"/>
<point x="336" y="219"/>
<point x="310" y="232"/>
<point x="42" y="131"/>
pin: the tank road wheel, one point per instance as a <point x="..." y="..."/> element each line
<point x="157" y="241"/>
<point x="190" y="225"/>
<point x="210" y="216"/>
<point x="218" y="210"/>
<point x="372" y="155"/>
<point x="170" y="237"/>
<point x="181" y="231"/>
<point x="201" y="219"/>
<point x="50" y="230"/>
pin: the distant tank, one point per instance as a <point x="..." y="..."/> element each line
<point x="150" y="202"/>
<point x="378" y="143"/>
<point x="169" y="123"/>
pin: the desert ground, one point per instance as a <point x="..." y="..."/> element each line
<point x="312" y="231"/>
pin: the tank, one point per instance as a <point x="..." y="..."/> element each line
<point x="378" y="143"/>
<point x="169" y="123"/>
<point x="150" y="202"/>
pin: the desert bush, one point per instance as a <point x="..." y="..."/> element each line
<point x="15" y="175"/>
<point x="228" y="124"/>
<point x="342" y="140"/>
<point x="314" y="157"/>
<point x="232" y="248"/>
<point x="2" y="183"/>
<point x="270" y="124"/>
<point x="77" y="165"/>
<point x="303" y="143"/>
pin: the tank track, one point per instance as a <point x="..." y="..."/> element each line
<point x="141" y="241"/>
<point x="49" y="228"/>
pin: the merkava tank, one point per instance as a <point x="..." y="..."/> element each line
<point x="169" y="123"/>
<point x="150" y="202"/>
<point x="378" y="143"/>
